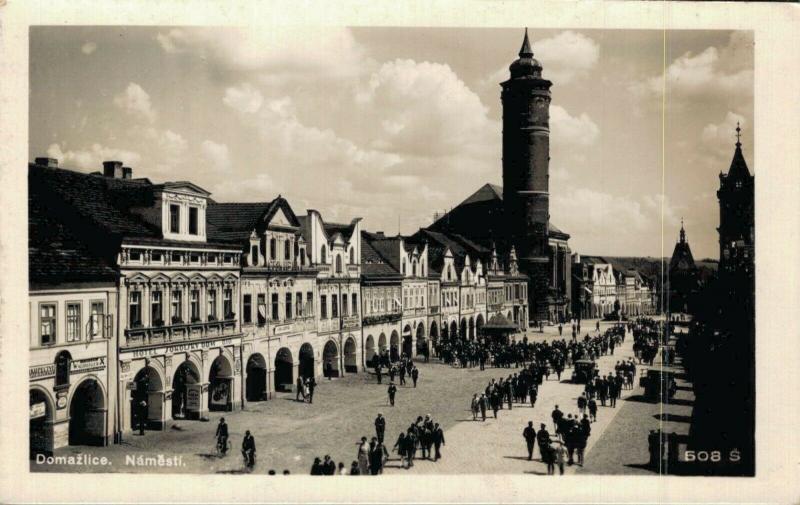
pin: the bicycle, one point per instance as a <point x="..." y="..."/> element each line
<point x="249" y="460"/>
<point x="222" y="447"/>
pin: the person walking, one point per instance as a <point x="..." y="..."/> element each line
<point x="400" y="448"/>
<point x="411" y="447"/>
<point x="415" y="375"/>
<point x="556" y="415"/>
<point x="543" y="439"/>
<point x="482" y="404"/>
<point x="362" y="457"/>
<point x="312" y="383"/>
<point x="328" y="370"/>
<point x="582" y="403"/>
<point x="222" y="436"/>
<point x="328" y="466"/>
<point x="473" y="406"/>
<point x="533" y="392"/>
<point x="378" y="371"/>
<point x="592" y="409"/>
<point x="249" y="449"/>
<point x="561" y="456"/>
<point x="438" y="441"/>
<point x="529" y="434"/>
<point x="300" y="386"/>
<point x="380" y="426"/>
<point x="392" y="391"/>
<point x="402" y="375"/>
<point x="375" y="457"/>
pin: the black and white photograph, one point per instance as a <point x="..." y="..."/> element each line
<point x="394" y="250"/>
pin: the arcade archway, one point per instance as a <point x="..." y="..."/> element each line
<point x="186" y="379"/>
<point x="453" y="330"/>
<point x="422" y="342"/>
<point x="220" y="384"/>
<point x="394" y="343"/>
<point x="369" y="350"/>
<point x="434" y="336"/>
<point x="479" y="325"/>
<point x="471" y="328"/>
<point x="462" y="330"/>
<point x="350" y="357"/>
<point x="255" y="388"/>
<point x="306" y="369"/>
<point x="407" y="342"/>
<point x="381" y="343"/>
<point x="147" y="399"/>
<point x="41" y="423"/>
<point x="330" y="359"/>
<point x="87" y="414"/>
<point x="284" y="370"/>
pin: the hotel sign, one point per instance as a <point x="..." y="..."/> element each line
<point x="184" y="347"/>
<point x="86" y="365"/>
<point x="350" y="322"/>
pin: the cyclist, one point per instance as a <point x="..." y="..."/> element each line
<point x="222" y="436"/>
<point x="249" y="449"/>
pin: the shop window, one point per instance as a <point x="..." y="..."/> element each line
<point x="47" y="323"/>
<point x="73" y="332"/>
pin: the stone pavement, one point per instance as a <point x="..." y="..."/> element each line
<point x="497" y="447"/>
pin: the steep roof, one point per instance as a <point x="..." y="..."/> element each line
<point x="373" y="264"/>
<point x="234" y="221"/>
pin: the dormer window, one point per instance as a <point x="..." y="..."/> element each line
<point x="287" y="250"/>
<point x="175" y="218"/>
<point x="273" y="248"/>
<point x="136" y="256"/>
<point x="323" y="255"/>
<point x="302" y="257"/>
<point x="338" y="264"/>
<point x="254" y="255"/>
<point x="193" y="213"/>
<point x="352" y="256"/>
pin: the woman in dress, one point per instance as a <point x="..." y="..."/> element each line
<point x="400" y="447"/>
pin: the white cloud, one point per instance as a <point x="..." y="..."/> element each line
<point x="425" y="109"/>
<point x="217" y="154"/>
<point x="277" y="54"/>
<point x="721" y="136"/>
<point x="568" y="130"/>
<point x="702" y="74"/>
<point x="573" y="55"/>
<point x="88" y="47"/>
<point x="135" y="100"/>
<point x="93" y="157"/>
<point x="258" y="187"/>
<point x="244" y="98"/>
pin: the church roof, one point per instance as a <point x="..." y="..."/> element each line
<point x="486" y="192"/>
<point x="682" y="259"/>
<point x="738" y="169"/>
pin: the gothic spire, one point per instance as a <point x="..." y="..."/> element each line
<point x="738" y="169"/>
<point x="683" y="233"/>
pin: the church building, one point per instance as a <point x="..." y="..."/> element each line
<point x="517" y="215"/>
<point x="683" y="276"/>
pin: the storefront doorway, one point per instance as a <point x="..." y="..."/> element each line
<point x="284" y="373"/>
<point x="256" y="381"/>
<point x="184" y="384"/>
<point x="306" y="361"/>
<point x="350" y="358"/>
<point x="87" y="414"/>
<point x="330" y="359"/>
<point x="41" y="424"/>
<point x="220" y="385"/>
<point x="147" y="399"/>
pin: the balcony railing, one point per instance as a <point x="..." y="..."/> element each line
<point x="382" y="319"/>
<point x="178" y="332"/>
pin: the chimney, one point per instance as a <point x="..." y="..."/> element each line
<point x="127" y="173"/>
<point x="112" y="169"/>
<point x="47" y="162"/>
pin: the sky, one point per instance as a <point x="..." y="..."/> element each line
<point x="394" y="124"/>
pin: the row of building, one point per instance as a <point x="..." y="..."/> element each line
<point x="155" y="300"/>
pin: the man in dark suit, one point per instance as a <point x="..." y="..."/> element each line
<point x="402" y="375"/>
<point x="380" y="426"/>
<point x="312" y="383"/>
<point x="392" y="391"/>
<point x="415" y="375"/>
<point x="378" y="371"/>
<point x="328" y="370"/>
<point x="529" y="434"/>
<point x="222" y="435"/>
<point x="249" y="449"/>
<point x="328" y="466"/>
<point x="543" y="438"/>
<point x="438" y="440"/>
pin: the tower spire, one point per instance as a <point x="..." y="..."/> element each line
<point x="683" y="233"/>
<point x="738" y="135"/>
<point x="525" y="50"/>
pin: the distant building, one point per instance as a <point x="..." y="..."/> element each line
<point x="683" y="281"/>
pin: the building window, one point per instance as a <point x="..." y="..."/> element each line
<point x="227" y="303"/>
<point x="309" y="303"/>
<point x="175" y="218"/>
<point x="273" y="248"/>
<point x="355" y="304"/>
<point x="274" y="314"/>
<point x="135" y="309"/>
<point x="299" y="304"/>
<point x="96" y="320"/>
<point x="136" y="256"/>
<point x="155" y="256"/>
<point x="338" y="264"/>
<point x="414" y="268"/>
<point x="323" y="307"/>
<point x="156" y="315"/>
<point x="194" y="305"/>
<point x="344" y="304"/>
<point x="334" y="307"/>
<point x="403" y="267"/>
<point x="289" y="313"/>
<point x="47" y="324"/>
<point x="73" y="322"/>
<point x="247" y="309"/>
<point x="323" y="255"/>
<point x="302" y="257"/>
<point x="63" y="361"/>
<point x="254" y="255"/>
<point x="193" y="213"/>
<point x="287" y="250"/>
<point x="176" y="311"/>
<point x="194" y="258"/>
<point x="176" y="257"/>
<point x="262" y="309"/>
<point x="352" y="256"/>
<point x="212" y="304"/>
